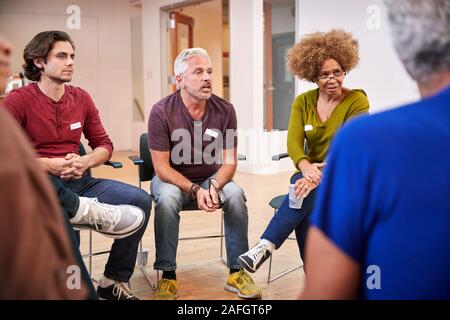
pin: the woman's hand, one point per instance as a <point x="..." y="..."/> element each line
<point x="303" y="187"/>
<point x="312" y="171"/>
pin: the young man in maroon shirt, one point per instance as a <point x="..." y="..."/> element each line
<point x="34" y="218"/>
<point x="54" y="115"/>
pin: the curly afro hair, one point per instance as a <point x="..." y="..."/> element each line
<point x="306" y="57"/>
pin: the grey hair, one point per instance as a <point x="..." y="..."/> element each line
<point x="180" y="66"/>
<point x="421" y="34"/>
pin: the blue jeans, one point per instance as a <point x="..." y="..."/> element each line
<point x="122" y="258"/>
<point x="169" y="201"/>
<point x="287" y="220"/>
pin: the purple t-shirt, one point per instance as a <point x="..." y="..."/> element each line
<point x="195" y="146"/>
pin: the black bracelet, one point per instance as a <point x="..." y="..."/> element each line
<point x="215" y="189"/>
<point x="212" y="184"/>
<point x="218" y="184"/>
<point x="193" y="190"/>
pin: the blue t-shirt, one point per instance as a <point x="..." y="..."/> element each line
<point x="385" y="199"/>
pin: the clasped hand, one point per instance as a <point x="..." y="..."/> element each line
<point x="208" y="200"/>
<point x="71" y="167"/>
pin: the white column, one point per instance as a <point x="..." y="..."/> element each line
<point x="246" y="62"/>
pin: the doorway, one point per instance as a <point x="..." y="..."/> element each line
<point x="198" y="24"/>
<point x="279" y="84"/>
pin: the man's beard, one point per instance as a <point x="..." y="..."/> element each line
<point x="195" y="94"/>
<point x="60" y="79"/>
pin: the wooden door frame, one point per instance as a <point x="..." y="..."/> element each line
<point x="177" y="17"/>
<point x="268" y="76"/>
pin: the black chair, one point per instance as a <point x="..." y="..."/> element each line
<point x="275" y="203"/>
<point x="146" y="173"/>
<point x="90" y="254"/>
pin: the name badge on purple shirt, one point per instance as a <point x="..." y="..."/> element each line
<point x="211" y="133"/>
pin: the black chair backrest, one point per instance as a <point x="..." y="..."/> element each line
<point x="82" y="152"/>
<point x="146" y="170"/>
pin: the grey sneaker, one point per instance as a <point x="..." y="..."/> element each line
<point x="113" y="221"/>
<point x="255" y="257"/>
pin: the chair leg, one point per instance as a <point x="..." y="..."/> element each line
<point x="90" y="253"/>
<point x="285" y="272"/>
<point x="141" y="264"/>
<point x="222" y="237"/>
<point x="142" y="260"/>
<point x="270" y="269"/>
<point x="269" y="279"/>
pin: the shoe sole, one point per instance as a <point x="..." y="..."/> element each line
<point x="112" y="235"/>
<point x="107" y="234"/>
<point x="241" y="295"/>
<point x="245" y="265"/>
<point x="174" y="298"/>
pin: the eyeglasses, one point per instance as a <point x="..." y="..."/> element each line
<point x="330" y="75"/>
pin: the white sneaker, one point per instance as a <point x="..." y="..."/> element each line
<point x="255" y="257"/>
<point x="113" y="221"/>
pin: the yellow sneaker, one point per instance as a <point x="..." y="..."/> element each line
<point x="241" y="283"/>
<point x="166" y="290"/>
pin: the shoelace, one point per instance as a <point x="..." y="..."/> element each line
<point x="257" y="252"/>
<point x="165" y="286"/>
<point x="245" y="277"/>
<point x="101" y="214"/>
<point x="120" y="290"/>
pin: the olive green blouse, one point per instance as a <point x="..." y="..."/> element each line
<point x="305" y="123"/>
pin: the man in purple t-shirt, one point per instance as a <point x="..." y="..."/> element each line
<point x="192" y="140"/>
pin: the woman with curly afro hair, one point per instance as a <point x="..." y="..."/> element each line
<point x="324" y="58"/>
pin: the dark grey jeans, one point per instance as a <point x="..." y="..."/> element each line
<point x="122" y="258"/>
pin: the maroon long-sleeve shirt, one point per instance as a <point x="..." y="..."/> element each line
<point x="55" y="127"/>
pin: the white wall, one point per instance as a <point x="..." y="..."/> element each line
<point x="246" y="61"/>
<point x="136" y="62"/>
<point x="103" y="57"/>
<point x="380" y="72"/>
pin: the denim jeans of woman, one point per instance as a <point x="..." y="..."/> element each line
<point x="287" y="220"/>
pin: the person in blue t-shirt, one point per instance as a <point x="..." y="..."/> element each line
<point x="380" y="229"/>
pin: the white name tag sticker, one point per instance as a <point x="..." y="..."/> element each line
<point x="308" y="127"/>
<point x="211" y="133"/>
<point x="74" y="126"/>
